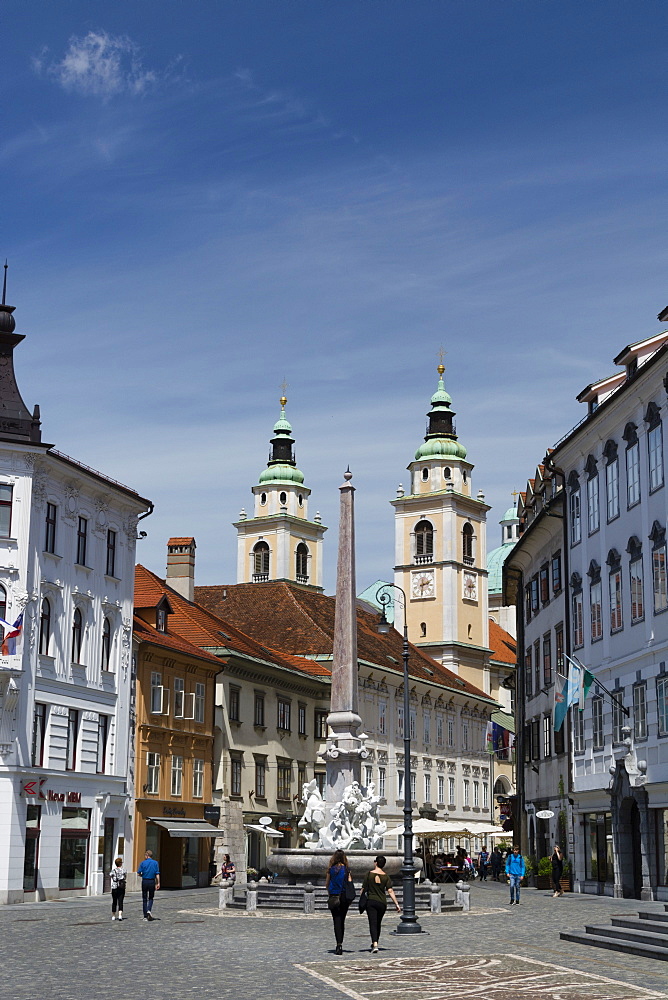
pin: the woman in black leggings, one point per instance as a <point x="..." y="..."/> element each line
<point x="338" y="874"/>
<point x="377" y="884"/>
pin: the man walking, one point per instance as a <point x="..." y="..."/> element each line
<point x="515" y="869"/>
<point x="150" y="881"/>
<point x="483" y="861"/>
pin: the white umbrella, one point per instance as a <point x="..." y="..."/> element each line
<point x="264" y="829"/>
<point x="431" y="828"/>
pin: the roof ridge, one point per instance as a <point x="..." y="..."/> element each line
<point x="306" y="614"/>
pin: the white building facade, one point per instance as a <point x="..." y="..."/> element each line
<point x="67" y="555"/>
<point x="612" y="465"/>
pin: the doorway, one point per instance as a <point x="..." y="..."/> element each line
<point x="107" y="854"/>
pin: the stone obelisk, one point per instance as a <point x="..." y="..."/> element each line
<point x="343" y="745"/>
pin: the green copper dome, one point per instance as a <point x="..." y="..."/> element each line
<point x="441" y="439"/>
<point x="441" y="448"/>
<point x="281" y="474"/>
<point x="495" y="561"/>
<point x="510" y="515"/>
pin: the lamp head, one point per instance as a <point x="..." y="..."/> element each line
<point x="383" y="625"/>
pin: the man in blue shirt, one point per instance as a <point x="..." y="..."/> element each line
<point x="150" y="881"/>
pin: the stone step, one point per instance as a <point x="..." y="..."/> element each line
<point x="627" y="934"/>
<point x="647" y="915"/>
<point x="644" y="926"/>
<point x="613" y="944"/>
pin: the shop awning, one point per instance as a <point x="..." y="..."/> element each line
<point x="267" y="831"/>
<point x="186" y="827"/>
<point x="504" y="720"/>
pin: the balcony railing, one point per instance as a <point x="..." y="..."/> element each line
<point x="424" y="559"/>
<point x="301" y="578"/>
<point x="469" y="560"/>
<point x="260" y="577"/>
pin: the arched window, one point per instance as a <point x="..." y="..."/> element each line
<point x="106" y="644"/>
<point x="77" y="636"/>
<point x="44" y="627"/>
<point x="423" y="630"/>
<point x="302" y="563"/>
<point x="261" y="562"/>
<point x="467" y="543"/>
<point x="447" y="472"/>
<point x="425" y="474"/>
<point x="424" y="542"/>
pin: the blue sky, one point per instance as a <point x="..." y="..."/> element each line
<point x="201" y="199"/>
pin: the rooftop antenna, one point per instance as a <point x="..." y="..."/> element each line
<point x="4" y="285"/>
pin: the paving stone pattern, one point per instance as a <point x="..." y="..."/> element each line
<point x="72" y="951"/>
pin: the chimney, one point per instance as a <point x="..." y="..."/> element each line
<point x="181" y="566"/>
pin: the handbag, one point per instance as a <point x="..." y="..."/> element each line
<point x="350" y="891"/>
<point x="362" y="901"/>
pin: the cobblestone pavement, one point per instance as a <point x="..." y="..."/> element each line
<point x="71" y="950"/>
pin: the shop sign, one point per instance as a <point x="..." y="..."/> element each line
<point x="284" y="827"/>
<point x="212" y="814"/>
<point x="31" y="788"/>
<point x="63" y="796"/>
<point x="173" y="811"/>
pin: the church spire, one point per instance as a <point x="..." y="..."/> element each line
<point x="282" y="466"/>
<point x="16" y="421"/>
<point x="441" y="438"/>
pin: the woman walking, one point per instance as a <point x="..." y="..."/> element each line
<point x="118" y="876"/>
<point x="376" y="884"/>
<point x="557" y="860"/>
<point x="337" y="876"/>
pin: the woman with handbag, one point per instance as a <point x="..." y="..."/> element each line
<point x="374" y="887"/>
<point x="118" y="877"/>
<point x="339" y="885"/>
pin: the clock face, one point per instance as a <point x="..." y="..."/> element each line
<point x="470" y="587"/>
<point x="422" y="584"/>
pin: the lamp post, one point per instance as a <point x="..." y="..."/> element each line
<point x="408" y="923"/>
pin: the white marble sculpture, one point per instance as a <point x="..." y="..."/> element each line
<point x="355" y="824"/>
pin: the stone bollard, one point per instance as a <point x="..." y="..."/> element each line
<point x="309" y="898"/>
<point x="251" y="897"/>
<point x="435" y="898"/>
<point x="463" y="896"/>
<point x="225" y="894"/>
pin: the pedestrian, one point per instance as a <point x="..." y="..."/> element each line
<point x="557" y="860"/>
<point x="150" y="881"/>
<point x="118" y="876"/>
<point x="515" y="869"/>
<point x="376" y="884"/>
<point x="483" y="861"/>
<point x="496" y="862"/>
<point x="228" y="869"/>
<point x="338" y="874"/>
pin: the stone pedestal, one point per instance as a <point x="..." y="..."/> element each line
<point x="296" y="866"/>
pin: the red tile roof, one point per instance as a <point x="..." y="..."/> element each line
<point x="201" y="628"/>
<point x="180" y="541"/>
<point x="300" y="621"/>
<point x="167" y="640"/>
<point x="502" y="644"/>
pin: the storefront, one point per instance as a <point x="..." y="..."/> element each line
<point x="181" y="840"/>
<point x="68" y="832"/>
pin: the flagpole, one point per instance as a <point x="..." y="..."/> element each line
<point x="603" y="688"/>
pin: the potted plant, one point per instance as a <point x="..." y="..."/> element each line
<point x="530" y="865"/>
<point x="566" y="880"/>
<point x="544" y="874"/>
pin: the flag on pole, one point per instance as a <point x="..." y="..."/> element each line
<point x="489" y="738"/>
<point x="585" y="679"/>
<point x="9" y="641"/>
<point x="565" y="695"/>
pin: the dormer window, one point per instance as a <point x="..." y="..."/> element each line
<point x="632" y="367"/>
<point x="161" y="620"/>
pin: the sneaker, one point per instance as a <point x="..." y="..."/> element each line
<point x="374" y="950"/>
<point x="113" y="916"/>
<point x="149" y="916"/>
<point x="511" y="902"/>
<point x="121" y="917"/>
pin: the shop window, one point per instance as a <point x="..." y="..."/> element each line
<point x="599" y="860"/>
<point x="74" y="837"/>
<point x="31" y="856"/>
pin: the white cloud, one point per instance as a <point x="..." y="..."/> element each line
<point x="99" y="65"/>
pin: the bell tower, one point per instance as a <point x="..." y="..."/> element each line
<point x="440" y="549"/>
<point x="279" y="542"/>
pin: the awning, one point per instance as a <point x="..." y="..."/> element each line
<point x="268" y="831"/>
<point x="504" y="720"/>
<point x="186" y="827"/>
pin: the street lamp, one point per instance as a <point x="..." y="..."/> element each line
<point x="408" y="923"/>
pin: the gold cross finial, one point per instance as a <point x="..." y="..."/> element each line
<point x="514" y="495"/>
<point x="441" y="355"/>
<point x="283" y="400"/>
